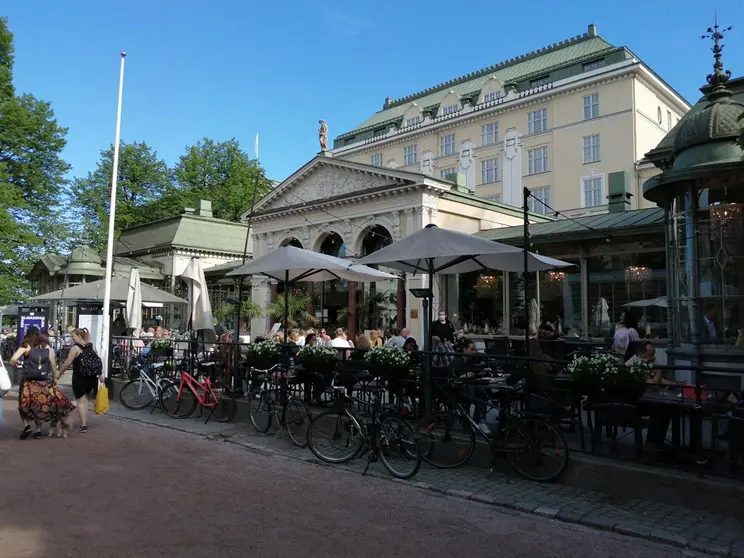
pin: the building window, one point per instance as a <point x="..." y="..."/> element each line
<point x="542" y="80"/>
<point x="490" y="133"/>
<point x="489" y="171"/>
<point x="594" y="64"/>
<point x="539" y="201"/>
<point x="591" y="148"/>
<point x="413" y="121"/>
<point x="658" y="115"/>
<point x="537" y="160"/>
<point x="449" y="110"/>
<point x="447" y="145"/>
<point x="669" y="120"/>
<point x="537" y="121"/>
<point x="591" y="106"/>
<point x="495" y="96"/>
<point x="495" y="198"/>
<point x="448" y="174"/>
<point x="380" y="132"/>
<point x="592" y="191"/>
<point x="376" y="160"/>
<point x="409" y="155"/>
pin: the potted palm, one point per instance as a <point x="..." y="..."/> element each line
<point x="295" y="304"/>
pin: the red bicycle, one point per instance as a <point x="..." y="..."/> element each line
<point x="178" y="400"/>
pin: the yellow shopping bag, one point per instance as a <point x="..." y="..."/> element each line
<point x="102" y="399"/>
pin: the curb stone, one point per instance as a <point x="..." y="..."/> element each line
<point x="579" y="518"/>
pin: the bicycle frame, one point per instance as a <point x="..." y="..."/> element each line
<point x="200" y="391"/>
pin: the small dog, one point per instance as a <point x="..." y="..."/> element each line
<point x="59" y="427"/>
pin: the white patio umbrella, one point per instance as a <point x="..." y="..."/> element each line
<point x="119" y="292"/>
<point x="289" y="264"/>
<point x="134" y="302"/>
<point x="602" y="321"/>
<point x="433" y="250"/>
<point x="200" y="310"/>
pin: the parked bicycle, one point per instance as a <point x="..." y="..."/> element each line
<point x="274" y="405"/>
<point x="381" y="433"/>
<point x="145" y="389"/>
<point x="179" y="399"/>
<point x="534" y="446"/>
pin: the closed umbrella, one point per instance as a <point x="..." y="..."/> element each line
<point x="134" y="302"/>
<point x="534" y="316"/>
<point x="200" y="310"/>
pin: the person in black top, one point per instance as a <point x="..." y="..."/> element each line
<point x="443" y="328"/>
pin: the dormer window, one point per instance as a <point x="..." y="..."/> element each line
<point x="451" y="109"/>
<point x="413" y="121"/>
<point x="594" y="65"/>
<point x="542" y="80"/>
<point x="493" y="96"/>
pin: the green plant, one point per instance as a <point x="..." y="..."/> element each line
<point x="387" y="357"/>
<point x="161" y="343"/>
<point x="296" y="305"/>
<point x="316" y="354"/>
<point x="268" y="349"/>
<point x="225" y="313"/>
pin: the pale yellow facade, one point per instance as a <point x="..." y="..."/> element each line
<point x="568" y="137"/>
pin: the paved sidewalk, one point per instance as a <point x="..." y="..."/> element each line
<point x="695" y="530"/>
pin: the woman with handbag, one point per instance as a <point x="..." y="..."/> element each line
<point x="86" y="373"/>
<point x="39" y="398"/>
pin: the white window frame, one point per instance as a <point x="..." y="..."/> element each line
<point x="591" y="149"/>
<point x="536" y="206"/>
<point x="408" y="151"/>
<point x="594" y="65"/>
<point x="489" y="137"/>
<point x="658" y="116"/>
<point x="448" y="173"/>
<point x="413" y="121"/>
<point x="376" y="160"/>
<point x="538" y="154"/>
<point x="490" y="170"/>
<point x="492" y="96"/>
<point x="602" y="196"/>
<point x="451" y="109"/>
<point x="447" y="145"/>
<point x="537" y="121"/>
<point x="591" y="106"/>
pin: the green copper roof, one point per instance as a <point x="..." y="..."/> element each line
<point x="535" y="63"/>
<point x="186" y="231"/>
<point x="581" y="226"/>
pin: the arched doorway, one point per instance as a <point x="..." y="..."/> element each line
<point x="292" y="242"/>
<point x="378" y="300"/>
<point x="333" y="295"/>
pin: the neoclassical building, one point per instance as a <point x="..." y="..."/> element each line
<point x="350" y="209"/>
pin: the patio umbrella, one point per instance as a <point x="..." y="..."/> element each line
<point x="200" y="310"/>
<point x="289" y="264"/>
<point x="119" y="291"/>
<point x="534" y="316"/>
<point x="660" y="301"/>
<point x="433" y="250"/>
<point x="134" y="302"/>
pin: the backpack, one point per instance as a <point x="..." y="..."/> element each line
<point x="90" y="362"/>
<point x="37" y="366"/>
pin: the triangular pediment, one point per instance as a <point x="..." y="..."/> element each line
<point x="326" y="178"/>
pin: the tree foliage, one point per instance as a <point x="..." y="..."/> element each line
<point x="144" y="192"/>
<point x="222" y="173"/>
<point x="32" y="177"/>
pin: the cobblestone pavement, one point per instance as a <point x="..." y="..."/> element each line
<point x="127" y="489"/>
<point x="683" y="528"/>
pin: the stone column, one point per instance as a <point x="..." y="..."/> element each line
<point x="352" y="325"/>
<point x="400" y="304"/>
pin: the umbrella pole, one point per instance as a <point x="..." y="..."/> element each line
<point x="526" y="245"/>
<point x="286" y="306"/>
<point x="427" y="339"/>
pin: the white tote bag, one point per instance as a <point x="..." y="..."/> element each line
<point x="4" y="378"/>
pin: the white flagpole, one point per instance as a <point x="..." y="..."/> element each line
<point x="103" y="349"/>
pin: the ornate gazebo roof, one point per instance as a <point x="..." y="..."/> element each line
<point x="705" y="143"/>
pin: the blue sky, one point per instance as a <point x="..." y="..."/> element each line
<point x="231" y="68"/>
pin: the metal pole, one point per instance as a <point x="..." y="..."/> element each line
<point x="103" y="350"/>
<point x="526" y="245"/>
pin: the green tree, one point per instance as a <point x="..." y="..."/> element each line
<point x="222" y="173"/>
<point x="144" y="192"/>
<point x="32" y="178"/>
<point x="297" y="303"/>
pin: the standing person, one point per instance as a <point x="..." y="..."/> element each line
<point x="443" y="328"/>
<point x="625" y="334"/>
<point x="85" y="373"/>
<point x="39" y="399"/>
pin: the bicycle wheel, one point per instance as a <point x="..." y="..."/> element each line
<point x="176" y="407"/>
<point x="399" y="448"/>
<point x="136" y="395"/>
<point x="335" y="431"/>
<point x="536" y="449"/>
<point x="446" y="440"/>
<point x="226" y="407"/>
<point x="260" y="410"/>
<point x="297" y="420"/>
